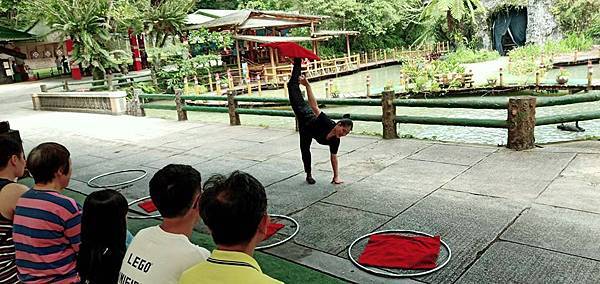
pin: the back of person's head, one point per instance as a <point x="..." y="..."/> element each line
<point x="46" y="160"/>
<point x="173" y="189"/>
<point x="9" y="147"/>
<point x="103" y="236"/>
<point x="233" y="207"/>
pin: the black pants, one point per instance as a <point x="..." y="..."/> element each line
<point x="303" y="113"/>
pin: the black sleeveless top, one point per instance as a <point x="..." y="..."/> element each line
<point x="8" y="270"/>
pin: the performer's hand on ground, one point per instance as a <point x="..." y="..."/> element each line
<point x="303" y="81"/>
<point x="337" y="180"/>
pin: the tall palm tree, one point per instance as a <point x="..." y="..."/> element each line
<point x="453" y="12"/>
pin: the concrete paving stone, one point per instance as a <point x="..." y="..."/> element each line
<point x="318" y="155"/>
<point x="419" y="176"/>
<point x="221" y="148"/>
<point x="222" y="165"/>
<point x="82" y="161"/>
<point x="558" y="229"/>
<point x="294" y="194"/>
<point x="454" y="154"/>
<point x="265" y="151"/>
<point x="466" y="222"/>
<point x="350" y="143"/>
<point x="510" y="174"/>
<point x="584" y="166"/>
<point x="374" y="157"/>
<point x="85" y="173"/>
<point x="330" y="264"/>
<point x="116" y="152"/>
<point x="574" y="147"/>
<point x="376" y="196"/>
<point x="513" y="263"/>
<point x="138" y="189"/>
<point x="266" y="134"/>
<point x="574" y="193"/>
<point x="144" y="156"/>
<point x="183" y="159"/>
<point x="331" y="228"/>
<point x="274" y="170"/>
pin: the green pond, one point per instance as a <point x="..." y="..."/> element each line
<point x="354" y="85"/>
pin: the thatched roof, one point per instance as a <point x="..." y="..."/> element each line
<point x="248" y="19"/>
<point x="269" y="39"/>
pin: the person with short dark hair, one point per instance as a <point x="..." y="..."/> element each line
<point x="315" y="124"/>
<point x="161" y="253"/>
<point x="103" y="237"/>
<point x="235" y="210"/>
<point x="12" y="166"/>
<point x="47" y="224"/>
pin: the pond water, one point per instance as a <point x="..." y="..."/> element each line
<point x="354" y="85"/>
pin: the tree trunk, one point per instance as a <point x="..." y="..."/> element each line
<point x="164" y="40"/>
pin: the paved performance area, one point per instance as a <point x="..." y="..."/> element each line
<point x="509" y="217"/>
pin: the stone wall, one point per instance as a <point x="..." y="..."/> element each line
<point x="541" y="25"/>
<point x="111" y="102"/>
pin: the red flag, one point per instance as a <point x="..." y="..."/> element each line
<point x="292" y="50"/>
<point x="272" y="228"/>
<point x="148" y="206"/>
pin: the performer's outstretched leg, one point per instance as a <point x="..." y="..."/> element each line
<point x="301" y="109"/>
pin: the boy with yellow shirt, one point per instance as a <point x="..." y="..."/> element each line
<point x="235" y="210"/>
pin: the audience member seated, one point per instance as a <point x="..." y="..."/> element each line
<point x="12" y="166"/>
<point x="103" y="237"/>
<point x="235" y="211"/>
<point x="47" y="224"/>
<point x="161" y="253"/>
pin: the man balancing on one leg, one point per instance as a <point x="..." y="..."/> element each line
<point x="315" y="124"/>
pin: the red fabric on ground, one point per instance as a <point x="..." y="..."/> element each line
<point x="272" y="229"/>
<point x="397" y="251"/>
<point x="292" y="50"/>
<point x="148" y="206"/>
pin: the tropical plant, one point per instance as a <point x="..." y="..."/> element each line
<point x="166" y="18"/>
<point x="85" y="22"/>
<point x="464" y="55"/>
<point x="456" y="14"/>
<point x="576" y="16"/>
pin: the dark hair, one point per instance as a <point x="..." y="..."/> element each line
<point x="346" y="121"/>
<point x="233" y="207"/>
<point x="8" y="148"/>
<point x="172" y="189"/>
<point x="103" y="236"/>
<point x="47" y="159"/>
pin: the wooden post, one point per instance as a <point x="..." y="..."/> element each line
<point x="218" y="84"/>
<point x="368" y="85"/>
<point x="179" y="104"/>
<point x="521" y="123"/>
<point x="44" y="88"/>
<point x="273" y="69"/>
<point x="249" y="85"/>
<point x="327" y="91"/>
<point x="285" y="86"/>
<point x="185" y="86"/>
<point x="109" y="82"/>
<point x="385" y="55"/>
<point x="389" y="114"/>
<point x="348" y="45"/>
<point x="234" y="117"/>
<point x="210" y="81"/>
<point x="229" y="79"/>
<point x="509" y="64"/>
<point x="501" y="80"/>
<point x="259" y="85"/>
<point x="237" y="51"/>
<point x="589" y="75"/>
<point x="575" y="56"/>
<point x="537" y="80"/>
<point x="66" y="85"/>
<point x="196" y="86"/>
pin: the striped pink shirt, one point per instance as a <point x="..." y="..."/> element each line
<point x="46" y="230"/>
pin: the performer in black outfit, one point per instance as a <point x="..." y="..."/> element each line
<point x="315" y="124"/>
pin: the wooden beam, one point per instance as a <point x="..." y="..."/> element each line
<point x="348" y="45"/>
<point x="237" y="51"/>
<point x="273" y="70"/>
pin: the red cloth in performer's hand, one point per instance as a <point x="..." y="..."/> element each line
<point x="148" y="206"/>
<point x="397" y="251"/>
<point x="273" y="228"/>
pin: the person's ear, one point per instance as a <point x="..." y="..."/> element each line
<point x="264" y="224"/>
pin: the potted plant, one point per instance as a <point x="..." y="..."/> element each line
<point x="563" y="76"/>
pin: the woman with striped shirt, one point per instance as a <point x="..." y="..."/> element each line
<point x="12" y="166"/>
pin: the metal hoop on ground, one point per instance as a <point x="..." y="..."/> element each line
<point x="286" y="239"/>
<point x="142" y="217"/>
<point x="91" y="183"/>
<point x="389" y="274"/>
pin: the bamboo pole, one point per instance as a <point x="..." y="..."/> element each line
<point x="218" y="84"/>
<point x="273" y="70"/>
<point x="259" y="85"/>
<point x="368" y="85"/>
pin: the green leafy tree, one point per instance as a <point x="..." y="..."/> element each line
<point x="85" y="22"/>
<point x="166" y="18"/>
<point x="457" y="15"/>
